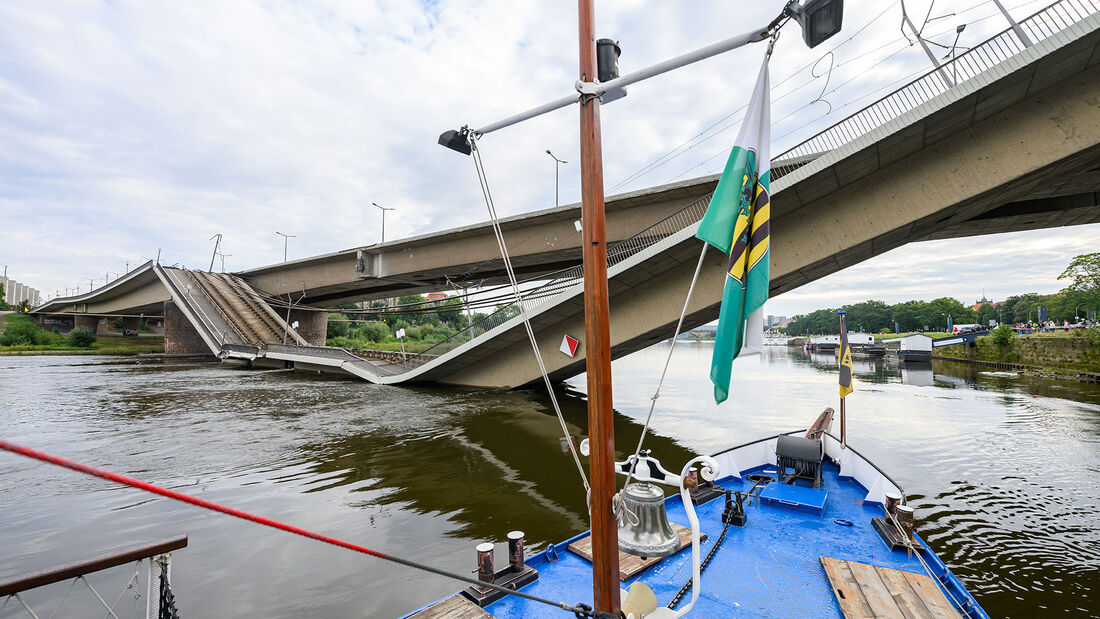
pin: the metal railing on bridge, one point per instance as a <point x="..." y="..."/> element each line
<point x="1039" y="26"/>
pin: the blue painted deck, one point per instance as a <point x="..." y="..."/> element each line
<point x="786" y="496"/>
<point x="769" y="568"/>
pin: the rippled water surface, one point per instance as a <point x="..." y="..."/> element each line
<point x="1004" y="472"/>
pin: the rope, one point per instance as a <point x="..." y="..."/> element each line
<point x="484" y="182"/>
<point x="912" y="549"/>
<point x="275" y="524"/>
<point x="621" y="512"/>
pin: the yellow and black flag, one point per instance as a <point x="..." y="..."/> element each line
<point x="844" y="355"/>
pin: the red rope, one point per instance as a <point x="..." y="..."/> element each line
<point x="179" y="496"/>
<point x="275" y="524"/>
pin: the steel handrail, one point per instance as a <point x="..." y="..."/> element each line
<point x="1039" y="26"/>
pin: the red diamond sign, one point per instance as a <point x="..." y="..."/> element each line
<point x="569" y="345"/>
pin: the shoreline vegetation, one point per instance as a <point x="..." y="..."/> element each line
<point x="19" y="335"/>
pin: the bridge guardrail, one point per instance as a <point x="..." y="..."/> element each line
<point x="1040" y="25"/>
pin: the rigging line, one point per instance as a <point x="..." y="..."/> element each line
<point x="483" y="180"/>
<point x="275" y="524"/>
<point x="668" y="359"/>
<point x="656" y="163"/>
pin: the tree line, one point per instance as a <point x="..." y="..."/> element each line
<point x="1073" y="301"/>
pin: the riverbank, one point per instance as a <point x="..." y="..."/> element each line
<point x="1058" y="356"/>
<point x="104" y="345"/>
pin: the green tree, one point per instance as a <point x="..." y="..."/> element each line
<point x="1002" y="336"/>
<point x="338" y="325"/>
<point x="3" y="302"/>
<point x="1084" y="290"/>
<point x="81" y="337"/>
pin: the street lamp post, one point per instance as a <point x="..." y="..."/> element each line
<point x="383" y="209"/>
<point x="1076" y="317"/>
<point x="557" y="165"/>
<point x="286" y="237"/>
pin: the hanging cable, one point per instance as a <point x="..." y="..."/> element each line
<point x="275" y="524"/>
<point x="617" y="501"/>
<point x="487" y="194"/>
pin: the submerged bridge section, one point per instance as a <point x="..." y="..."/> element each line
<point x="1014" y="146"/>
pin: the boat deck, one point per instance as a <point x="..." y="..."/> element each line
<point x="769" y="568"/>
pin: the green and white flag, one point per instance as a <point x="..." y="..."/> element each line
<point x="737" y="223"/>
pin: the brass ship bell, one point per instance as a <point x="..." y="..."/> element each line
<point x="643" y="526"/>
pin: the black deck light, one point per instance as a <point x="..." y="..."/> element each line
<point x="820" y="19"/>
<point x="458" y="141"/>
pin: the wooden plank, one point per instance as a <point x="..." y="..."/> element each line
<point x="907" y="599"/>
<point x="630" y="565"/>
<point x="866" y="591"/>
<point x="846" y="589"/>
<point x="875" y="591"/>
<point x="454" y="607"/>
<point x="933" y="598"/>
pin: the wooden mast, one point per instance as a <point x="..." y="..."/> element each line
<point x="597" y="336"/>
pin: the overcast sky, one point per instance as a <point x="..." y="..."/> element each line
<point x="133" y="127"/>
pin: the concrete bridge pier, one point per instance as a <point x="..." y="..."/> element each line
<point x="180" y="337"/>
<point x="312" y="325"/>
<point x="90" y="322"/>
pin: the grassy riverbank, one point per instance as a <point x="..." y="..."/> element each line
<point x="19" y="335"/>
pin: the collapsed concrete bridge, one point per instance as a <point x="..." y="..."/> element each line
<point x="1014" y="146"/>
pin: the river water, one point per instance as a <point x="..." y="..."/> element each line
<point x="1004" y="472"/>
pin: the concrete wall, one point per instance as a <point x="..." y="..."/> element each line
<point x="1072" y="353"/>
<point x="180" y="338"/>
<point x="313" y="326"/>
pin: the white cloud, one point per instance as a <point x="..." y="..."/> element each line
<point x="134" y="126"/>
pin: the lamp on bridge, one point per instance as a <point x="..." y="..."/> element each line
<point x="286" y="237"/>
<point x="383" y="209"/>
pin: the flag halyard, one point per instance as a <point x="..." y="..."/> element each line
<point x="737" y="222"/>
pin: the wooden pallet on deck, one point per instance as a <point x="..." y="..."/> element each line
<point x="454" y="607"/>
<point x="872" y="591"/>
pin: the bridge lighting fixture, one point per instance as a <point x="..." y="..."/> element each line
<point x="286" y="237"/>
<point x="383" y="209"/>
<point x="820" y="19"/>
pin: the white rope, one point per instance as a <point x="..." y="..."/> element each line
<point x="129" y="585"/>
<point x="621" y="512"/>
<point x="20" y="598"/>
<point x="484" y="182"/>
<point x="110" y="612"/>
<point x="72" y="584"/>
